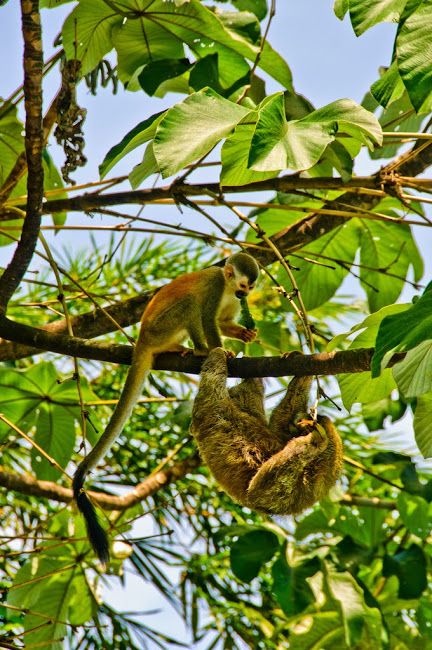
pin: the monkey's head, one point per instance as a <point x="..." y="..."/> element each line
<point x="241" y="272"/>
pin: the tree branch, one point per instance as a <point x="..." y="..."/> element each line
<point x="91" y="324"/>
<point x="33" y="68"/>
<point x="323" y="363"/>
<point x="27" y="484"/>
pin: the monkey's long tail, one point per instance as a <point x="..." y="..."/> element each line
<point x="131" y="393"/>
<point x="96" y="533"/>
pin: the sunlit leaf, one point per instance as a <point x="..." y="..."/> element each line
<point x="192" y="128"/>
<point x="422" y="424"/>
<point x="402" y="332"/>
<point x="141" y="133"/>
<point x="414" y="56"/>
<point x="367" y="14"/>
<point x="414" y="512"/>
<point x="87" y="31"/>
<point x="390" y="248"/>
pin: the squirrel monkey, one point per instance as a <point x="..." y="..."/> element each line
<point x="199" y="306"/>
<point x="280" y="467"/>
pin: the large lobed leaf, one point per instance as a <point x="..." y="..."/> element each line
<point x="144" y="31"/>
<point x="192" y="128"/>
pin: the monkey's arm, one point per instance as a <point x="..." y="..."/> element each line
<point x="301" y="473"/>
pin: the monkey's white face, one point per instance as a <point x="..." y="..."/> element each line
<point x="239" y="283"/>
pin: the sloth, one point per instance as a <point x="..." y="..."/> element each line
<point x="278" y="467"/>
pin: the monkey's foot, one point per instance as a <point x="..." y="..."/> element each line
<point x="199" y="352"/>
<point x="290" y="353"/>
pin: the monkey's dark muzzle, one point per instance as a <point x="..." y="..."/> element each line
<point x="241" y="294"/>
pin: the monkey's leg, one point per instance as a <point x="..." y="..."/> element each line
<point x="292" y="407"/>
<point x="292" y="479"/>
<point x="196" y="331"/>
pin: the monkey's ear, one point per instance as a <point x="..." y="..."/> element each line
<point x="229" y="270"/>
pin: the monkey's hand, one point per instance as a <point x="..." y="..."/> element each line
<point x="234" y="331"/>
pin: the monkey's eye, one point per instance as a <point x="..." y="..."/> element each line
<point x="243" y="285"/>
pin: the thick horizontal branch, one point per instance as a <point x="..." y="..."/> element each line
<point x="89" y="325"/>
<point x="324" y="363"/>
<point x="88" y="202"/>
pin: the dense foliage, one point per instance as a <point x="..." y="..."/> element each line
<point x="354" y="571"/>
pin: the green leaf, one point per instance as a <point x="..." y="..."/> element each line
<point x="319" y="282"/>
<point x="50" y="584"/>
<point x="422" y="421"/>
<point x="388" y="247"/>
<point x="413" y="375"/>
<point x="272" y="220"/>
<point x="360" y="388"/>
<point x="160" y="30"/>
<point x="299" y="144"/>
<point x="368" y="328"/>
<point x="410" y="567"/>
<point x="352" y="119"/>
<point x="205" y="73"/>
<point x="192" y="128"/>
<point x="55" y="433"/>
<point x="414" y="512"/>
<point x="315" y="522"/>
<point x="52" y="4"/>
<point x="11" y="141"/>
<point x="340" y="8"/>
<point x="367" y="14"/>
<point x="251" y="551"/>
<point x="277" y="144"/>
<point x="356" y="615"/>
<point x="146" y="168"/>
<point x="321" y="627"/>
<point x="155" y="73"/>
<point x="389" y="86"/>
<point x="290" y="586"/>
<point x="87" y="32"/>
<point x="365" y="527"/>
<point x="34" y="398"/>
<point x="142" y="41"/>
<point x="258" y="7"/>
<point x="375" y="413"/>
<point x="235" y="155"/>
<point x="53" y="181"/>
<point x="414" y="56"/>
<point x="141" y="133"/>
<point x="402" y="332"/>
